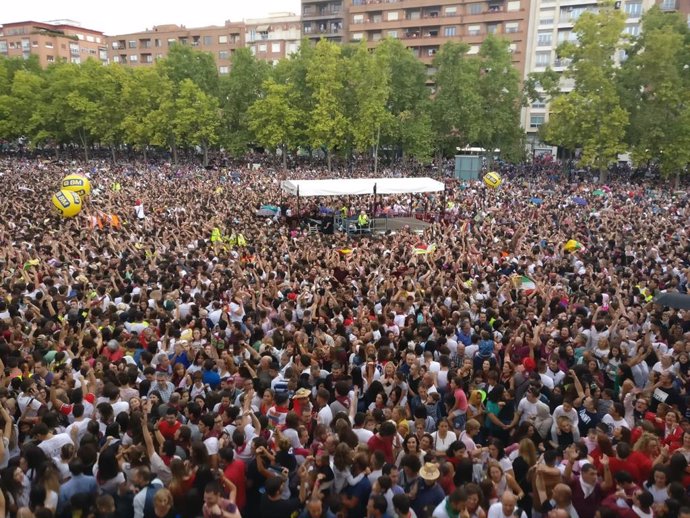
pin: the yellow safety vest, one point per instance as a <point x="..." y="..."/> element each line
<point x="241" y="240"/>
<point x="215" y="235"/>
<point x="363" y="220"/>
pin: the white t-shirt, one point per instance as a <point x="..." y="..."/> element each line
<point x="496" y="511"/>
<point x="325" y="415"/>
<point x="363" y="435"/>
<point x="612" y="423"/>
<point x="81" y="429"/>
<point x="52" y="447"/>
<point x="440" y="444"/>
<point x="211" y="445"/>
<point x="528" y="409"/>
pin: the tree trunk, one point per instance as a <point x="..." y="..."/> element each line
<point x="284" y="152"/>
<point x="82" y="137"/>
<point x="146" y="162"/>
<point x="205" y="148"/>
<point x="174" y="153"/>
<point x="676" y="181"/>
<point x="328" y="158"/>
<point x="112" y="151"/>
<point x="603" y="175"/>
<point x="376" y="150"/>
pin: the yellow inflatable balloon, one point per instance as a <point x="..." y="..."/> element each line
<point x="492" y="179"/>
<point x="77" y="183"/>
<point x="67" y="203"/>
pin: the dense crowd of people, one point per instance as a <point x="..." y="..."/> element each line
<point x="189" y="357"/>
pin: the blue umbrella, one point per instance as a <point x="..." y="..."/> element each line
<point x="536" y="201"/>
<point x="578" y="200"/>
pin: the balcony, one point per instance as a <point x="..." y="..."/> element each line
<point x="322" y="14"/>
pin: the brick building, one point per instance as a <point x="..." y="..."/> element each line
<point x="425" y="25"/>
<point x="144" y="48"/>
<point x="62" y="40"/>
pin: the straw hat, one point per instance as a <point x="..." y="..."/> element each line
<point x="429" y="472"/>
<point x="302" y="393"/>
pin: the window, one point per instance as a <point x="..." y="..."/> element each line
<point x="563" y="36"/>
<point x="157" y="42"/>
<point x="224" y="70"/>
<point x="358" y="18"/>
<point x="132" y="44"/>
<point x="223" y="54"/>
<point x="476" y="9"/>
<point x="34" y="44"/>
<point x="12" y="45"/>
<point x="357" y="36"/>
<point x="49" y="44"/>
<point x="511" y="27"/>
<point x="634" y="9"/>
<point x="546" y="21"/>
<point x="116" y="59"/>
<point x="3" y="47"/>
<point x="512" y="47"/>
<point x="133" y="58"/>
<point x="473" y="30"/>
<point x="392" y="16"/>
<point x="431" y="52"/>
<point x="222" y="40"/>
<point x="539" y="104"/>
<point x="292" y="48"/>
<point x="75" y="61"/>
<point x="514" y="5"/>
<point x="492" y="28"/>
<point x="416" y="15"/>
<point x="90" y="38"/>
<point x="208" y="41"/>
<point x="80" y="37"/>
<point x="632" y="30"/>
<point x="171" y="41"/>
<point x="74" y="48"/>
<point x="451" y="11"/>
<point x="544" y="38"/>
<point x="393" y="34"/>
<point x="146" y="58"/>
<point x="474" y="49"/>
<point x="376" y="36"/>
<point x="275" y="48"/>
<point x="536" y="120"/>
<point x="449" y="32"/>
<point x="253" y="49"/>
<point x="669" y="5"/>
<point x="543" y="59"/>
<point x="262" y="47"/>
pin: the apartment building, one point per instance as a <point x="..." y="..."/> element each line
<point x="425" y="25"/>
<point x="324" y="19"/>
<point x="60" y="40"/>
<point x="275" y="37"/>
<point x="552" y="24"/>
<point x="681" y="6"/>
<point x="144" y="48"/>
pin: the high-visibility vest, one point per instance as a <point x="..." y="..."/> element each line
<point x="241" y="240"/>
<point x="231" y="239"/>
<point x="363" y="220"/>
<point x="215" y="235"/>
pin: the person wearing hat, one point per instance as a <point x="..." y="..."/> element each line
<point x="427" y="493"/>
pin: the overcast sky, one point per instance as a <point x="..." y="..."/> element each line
<point x="123" y="16"/>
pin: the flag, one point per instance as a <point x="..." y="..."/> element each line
<point x="572" y="245"/>
<point x="525" y="284"/>
<point x="423" y="249"/>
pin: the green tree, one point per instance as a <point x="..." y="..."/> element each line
<point x="457" y="105"/>
<point x="20" y="105"/>
<point x="197" y="117"/>
<point x="655" y="89"/>
<point x="366" y="92"/>
<point x="143" y="91"/>
<point x="327" y="124"/>
<point x="183" y="62"/>
<point x="273" y="117"/>
<point x="591" y="117"/>
<point x="408" y="128"/>
<point x="238" y="91"/>
<point x="501" y="100"/>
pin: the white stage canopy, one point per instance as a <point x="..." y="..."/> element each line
<point x="359" y="186"/>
